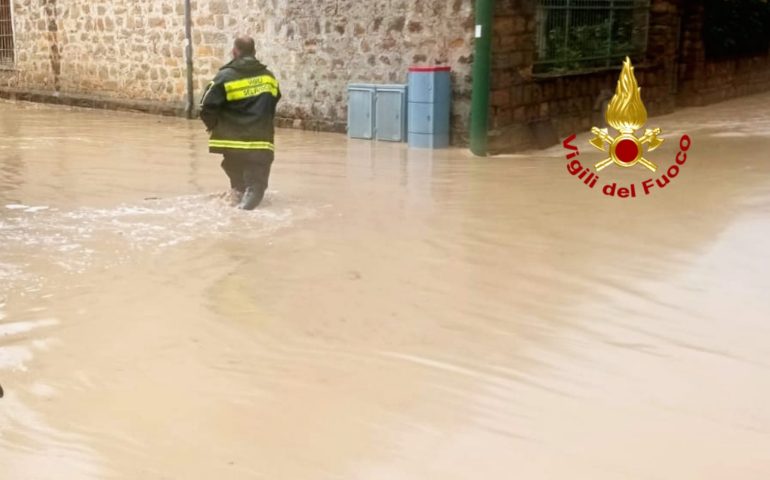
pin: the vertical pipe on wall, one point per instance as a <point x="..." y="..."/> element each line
<point x="189" y="58"/>
<point x="481" y="73"/>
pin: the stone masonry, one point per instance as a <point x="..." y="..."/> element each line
<point x="99" y="52"/>
<point x="134" y="49"/>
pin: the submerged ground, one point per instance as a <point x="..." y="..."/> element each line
<point x="389" y="313"/>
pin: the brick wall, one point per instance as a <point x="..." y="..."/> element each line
<point x="703" y="81"/>
<point x="133" y="49"/>
<point x="536" y="110"/>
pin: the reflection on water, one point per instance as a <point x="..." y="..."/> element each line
<point x="390" y="313"/>
<point x="76" y="240"/>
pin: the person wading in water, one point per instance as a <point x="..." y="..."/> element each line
<point x="238" y="109"/>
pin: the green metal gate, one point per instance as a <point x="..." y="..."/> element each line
<point x="6" y="34"/>
<point x="576" y="35"/>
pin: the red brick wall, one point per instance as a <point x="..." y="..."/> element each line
<point x="703" y="81"/>
<point x="535" y="111"/>
<point x="528" y="111"/>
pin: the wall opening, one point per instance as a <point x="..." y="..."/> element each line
<point x="7" y="56"/>
<point x="736" y="29"/>
<point x="579" y="35"/>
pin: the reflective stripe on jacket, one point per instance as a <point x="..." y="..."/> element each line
<point x="238" y="107"/>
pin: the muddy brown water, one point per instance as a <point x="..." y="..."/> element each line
<point x="389" y="313"/>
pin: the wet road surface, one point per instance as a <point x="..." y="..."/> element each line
<point x="388" y="314"/>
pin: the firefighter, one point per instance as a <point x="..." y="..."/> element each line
<point x="238" y="109"/>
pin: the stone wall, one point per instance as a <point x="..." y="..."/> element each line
<point x="123" y="49"/>
<point x="133" y="49"/>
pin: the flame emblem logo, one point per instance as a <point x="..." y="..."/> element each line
<point x="626" y="114"/>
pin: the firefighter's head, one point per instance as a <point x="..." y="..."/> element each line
<point x="244" y="47"/>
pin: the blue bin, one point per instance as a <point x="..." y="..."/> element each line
<point x="430" y="97"/>
<point x="390" y="113"/>
<point x="431" y="118"/>
<point x="361" y="108"/>
<point x="429" y="84"/>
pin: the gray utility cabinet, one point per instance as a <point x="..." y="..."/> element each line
<point x="377" y="111"/>
<point x="361" y="107"/>
<point x="390" y="119"/>
<point x="430" y="98"/>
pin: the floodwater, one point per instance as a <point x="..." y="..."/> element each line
<point x="388" y="314"/>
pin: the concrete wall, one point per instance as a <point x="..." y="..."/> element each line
<point x="133" y="49"/>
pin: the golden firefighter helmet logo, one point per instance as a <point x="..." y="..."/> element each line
<point x="626" y="114"/>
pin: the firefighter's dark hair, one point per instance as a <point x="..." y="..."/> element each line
<point x="245" y="45"/>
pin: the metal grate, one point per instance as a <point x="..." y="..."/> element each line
<point x="575" y="35"/>
<point x="6" y="34"/>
